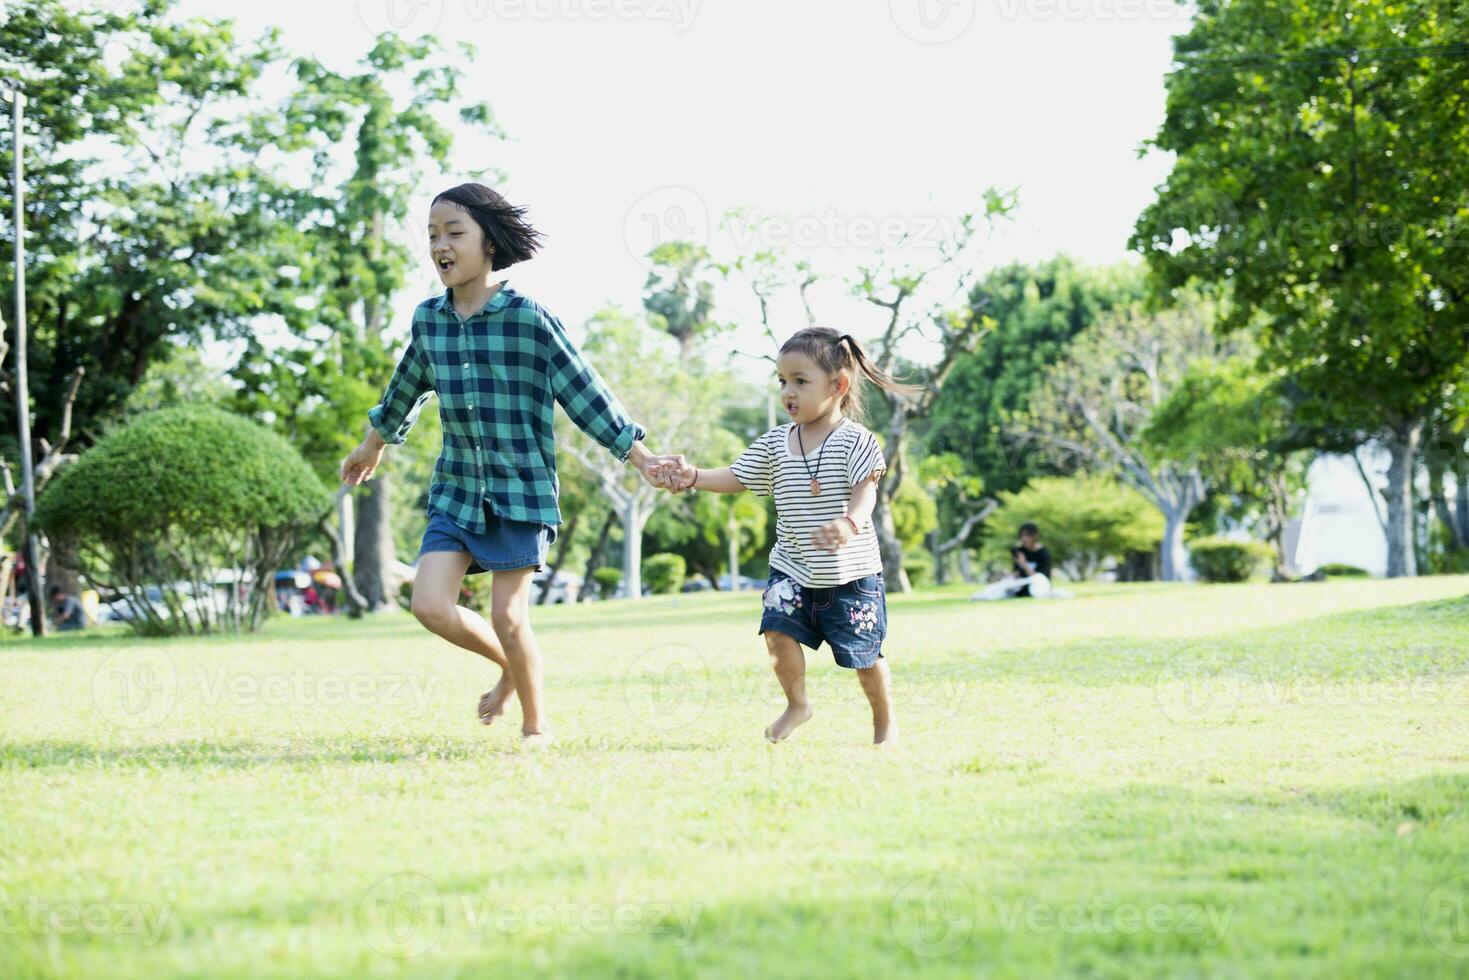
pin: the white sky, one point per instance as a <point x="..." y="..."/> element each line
<point x="635" y="118"/>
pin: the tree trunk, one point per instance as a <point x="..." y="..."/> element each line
<point x="633" y="520"/>
<point x="566" y="534"/>
<point x="939" y="576"/>
<point x="373" y="543"/>
<point x="1175" y="556"/>
<point x="62" y="566"/>
<point x="1439" y="497"/>
<point x="1461" y="497"/>
<point x="594" y="558"/>
<point x="1277" y="514"/>
<point x="966" y="566"/>
<point x="355" y="603"/>
<point x="734" y="551"/>
<point x="894" y="577"/>
<point x="1402" y="443"/>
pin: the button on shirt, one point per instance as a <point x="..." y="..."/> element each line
<point x="498" y="374"/>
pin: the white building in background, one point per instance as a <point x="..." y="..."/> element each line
<point x="1338" y="523"/>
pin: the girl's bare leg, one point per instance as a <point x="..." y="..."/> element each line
<point x="789" y="662"/>
<point x="435" y="591"/>
<point x="510" y="617"/>
<point x="878" y="686"/>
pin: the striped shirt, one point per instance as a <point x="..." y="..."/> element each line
<point x="771" y="467"/>
<point x="499" y="375"/>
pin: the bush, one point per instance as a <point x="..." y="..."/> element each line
<point x="1339" y="570"/>
<point x="1084" y="521"/>
<point x="607" y="579"/>
<point x="665" y="573"/>
<point x="178" y="497"/>
<point x="1223" y="560"/>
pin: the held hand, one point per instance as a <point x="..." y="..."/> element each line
<point x="360" y="464"/>
<point x="674" y="474"/>
<point x="833" y="536"/>
<point x="657" y="469"/>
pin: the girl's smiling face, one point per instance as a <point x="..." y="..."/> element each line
<point x="456" y="244"/>
<point x="807" y="392"/>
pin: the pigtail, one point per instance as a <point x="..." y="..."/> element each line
<point x="876" y="374"/>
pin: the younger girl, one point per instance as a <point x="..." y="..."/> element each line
<point x="825" y="571"/>
<point x="499" y="363"/>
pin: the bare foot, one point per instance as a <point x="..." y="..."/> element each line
<point x="887" y="735"/>
<point x="789" y="720"/>
<point x="492" y="703"/>
<point x="530" y="741"/>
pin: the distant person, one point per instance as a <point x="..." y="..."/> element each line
<point x="1030" y="558"/>
<point x="1030" y="574"/>
<point x="67" y="612"/>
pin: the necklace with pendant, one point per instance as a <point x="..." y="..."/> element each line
<point x="815" y="483"/>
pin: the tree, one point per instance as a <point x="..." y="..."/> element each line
<point x="674" y="403"/>
<point x="917" y="302"/>
<point x="1037" y="310"/>
<point x="1094" y="406"/>
<point x="1235" y="424"/>
<point x="178" y="502"/>
<point x="151" y="243"/>
<point x="679" y="294"/>
<point x="1322" y="170"/>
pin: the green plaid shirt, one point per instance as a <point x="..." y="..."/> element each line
<point x="496" y="375"/>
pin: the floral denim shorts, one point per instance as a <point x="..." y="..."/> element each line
<point x="851" y="618"/>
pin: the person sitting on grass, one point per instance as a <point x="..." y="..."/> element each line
<point x="1030" y="574"/>
<point x="67" y="612"/>
<point x="500" y="363"/>
<point x="822" y="467"/>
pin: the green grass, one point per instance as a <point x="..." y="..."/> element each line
<point x="1143" y="781"/>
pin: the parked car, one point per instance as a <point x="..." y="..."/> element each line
<point x="746" y="583"/>
<point x="563" y="587"/>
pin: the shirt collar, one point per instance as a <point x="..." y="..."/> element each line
<point x="497" y="301"/>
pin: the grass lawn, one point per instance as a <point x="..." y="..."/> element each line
<point x="1146" y="780"/>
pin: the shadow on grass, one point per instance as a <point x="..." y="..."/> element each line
<point x="248" y="754"/>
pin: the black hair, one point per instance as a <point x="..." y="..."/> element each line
<point x="509" y="238"/>
<point x="1029" y="528"/>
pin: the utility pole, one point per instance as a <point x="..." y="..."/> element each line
<point x="11" y="89"/>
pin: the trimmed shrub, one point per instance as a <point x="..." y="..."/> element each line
<point x="1084" y="521"/>
<point x="178" y="498"/>
<point x="665" y="573"/>
<point x="1339" y="570"/>
<point x="1224" y="560"/>
<point x="607" y="579"/>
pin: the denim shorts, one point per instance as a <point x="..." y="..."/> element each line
<point x="503" y="546"/>
<point x="851" y="618"/>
